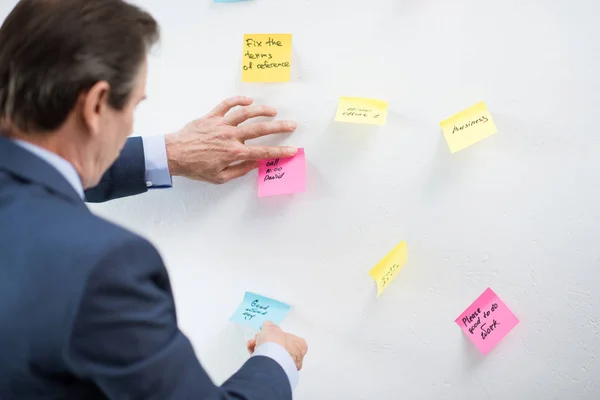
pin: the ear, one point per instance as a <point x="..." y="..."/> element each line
<point x="95" y="105"/>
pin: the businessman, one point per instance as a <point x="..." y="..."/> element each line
<point x="86" y="307"/>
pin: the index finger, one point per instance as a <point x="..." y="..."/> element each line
<point x="259" y="129"/>
<point x="245" y="113"/>
<point x="257" y="153"/>
<point x="227" y="104"/>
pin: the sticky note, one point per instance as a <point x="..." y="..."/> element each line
<point x="256" y="309"/>
<point x="282" y="175"/>
<point x="359" y="110"/>
<point x="387" y="269"/>
<point x="468" y="127"/>
<point x="267" y="58"/>
<point x="487" y="321"/>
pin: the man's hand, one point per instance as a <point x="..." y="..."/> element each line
<point x="213" y="148"/>
<point x="296" y="346"/>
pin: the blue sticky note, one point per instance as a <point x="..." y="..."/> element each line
<point x="256" y="309"/>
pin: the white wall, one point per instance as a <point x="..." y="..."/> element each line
<point x="519" y="212"/>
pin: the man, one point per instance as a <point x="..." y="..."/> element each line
<point x="86" y="307"/>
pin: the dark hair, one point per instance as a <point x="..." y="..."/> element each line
<point x="53" y="50"/>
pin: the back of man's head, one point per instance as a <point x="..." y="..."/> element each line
<point x="51" y="51"/>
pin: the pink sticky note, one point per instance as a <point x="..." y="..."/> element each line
<point x="487" y="321"/>
<point x="282" y="175"/>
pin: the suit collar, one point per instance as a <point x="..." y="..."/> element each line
<point x="22" y="163"/>
<point x="65" y="168"/>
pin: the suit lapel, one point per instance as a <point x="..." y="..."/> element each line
<point x="27" y="166"/>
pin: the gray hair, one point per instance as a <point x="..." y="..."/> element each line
<point x="51" y="51"/>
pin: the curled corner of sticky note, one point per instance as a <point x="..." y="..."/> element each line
<point x="386" y="270"/>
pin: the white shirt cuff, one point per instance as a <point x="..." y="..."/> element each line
<point x="280" y="355"/>
<point x="157" y="167"/>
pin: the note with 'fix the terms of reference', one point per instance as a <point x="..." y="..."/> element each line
<point x="487" y="321"/>
<point x="256" y="309"/>
<point x="387" y="269"/>
<point x="468" y="127"/>
<point x="267" y="58"/>
<point x="359" y="110"/>
<point x="282" y="175"/>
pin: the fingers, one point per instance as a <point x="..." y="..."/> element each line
<point x="301" y="348"/>
<point x="295" y="346"/>
<point x="243" y="114"/>
<point x="236" y="171"/>
<point x="267" y="152"/>
<point x="226" y="105"/>
<point x="259" y="129"/>
<point x="251" y="345"/>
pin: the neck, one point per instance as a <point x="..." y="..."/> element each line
<point x="62" y="142"/>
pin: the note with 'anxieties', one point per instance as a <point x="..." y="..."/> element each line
<point x="267" y="58"/>
<point x="256" y="309"/>
<point x="387" y="269"/>
<point x="359" y="110"/>
<point x="282" y="175"/>
<point x="487" y="321"/>
<point x="468" y="127"/>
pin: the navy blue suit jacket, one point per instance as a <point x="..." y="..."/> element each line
<point x="86" y="308"/>
<point x="126" y="177"/>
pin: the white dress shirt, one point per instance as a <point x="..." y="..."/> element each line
<point x="158" y="176"/>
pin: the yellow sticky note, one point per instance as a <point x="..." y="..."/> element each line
<point x="359" y="110"/>
<point x="468" y="127"/>
<point x="387" y="269"/>
<point x="267" y="58"/>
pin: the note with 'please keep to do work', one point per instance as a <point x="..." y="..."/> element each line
<point x="267" y="58"/>
<point x="256" y="309"/>
<point x="359" y="110"/>
<point x="468" y="127"/>
<point x="387" y="269"/>
<point x="487" y="321"/>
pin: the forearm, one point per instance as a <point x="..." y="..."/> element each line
<point x="126" y="177"/>
<point x="260" y="378"/>
<point x="142" y="165"/>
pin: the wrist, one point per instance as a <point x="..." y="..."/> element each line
<point x="172" y="155"/>
<point x="281" y="356"/>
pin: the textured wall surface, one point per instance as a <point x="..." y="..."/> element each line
<point x="519" y="212"/>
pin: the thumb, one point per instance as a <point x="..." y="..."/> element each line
<point x="237" y="170"/>
<point x="251" y="345"/>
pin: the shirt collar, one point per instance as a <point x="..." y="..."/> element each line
<point x="64" y="167"/>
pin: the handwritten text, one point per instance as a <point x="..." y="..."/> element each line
<point x="389" y="274"/>
<point x="255" y="309"/>
<point x="276" y="172"/>
<point x="483" y="120"/>
<point x="474" y="321"/>
<point x="263" y="54"/>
